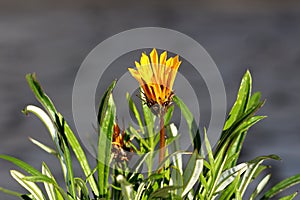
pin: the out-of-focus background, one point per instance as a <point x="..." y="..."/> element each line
<point x="52" y="39"/>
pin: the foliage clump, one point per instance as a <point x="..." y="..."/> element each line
<point x="215" y="175"/>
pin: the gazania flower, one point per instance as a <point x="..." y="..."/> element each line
<point x="156" y="77"/>
<point x="120" y="150"/>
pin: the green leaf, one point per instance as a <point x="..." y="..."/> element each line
<point x="44" y="147"/>
<point x="28" y="168"/>
<point x="213" y="169"/>
<point x="176" y="179"/>
<point x="170" y="156"/>
<point x="10" y="192"/>
<point x="240" y="118"/>
<point x="283" y="185"/>
<point x="175" y="146"/>
<point x="58" y="136"/>
<point x="134" y="132"/>
<point x="28" y="185"/>
<point x="138" y="165"/>
<point x="168" y="115"/>
<point x="209" y="153"/>
<point x="237" y="194"/>
<point x="48" y="122"/>
<point x="260" y="186"/>
<point x="163" y="192"/>
<point x="227" y="194"/>
<point x="42" y="178"/>
<point x="259" y="170"/>
<point x="127" y="189"/>
<point x="104" y="147"/>
<point x="254" y="100"/>
<point x="202" y="188"/>
<point x="260" y="158"/>
<point x="242" y="99"/>
<point x="147" y="142"/>
<point x="193" y="127"/>
<point x="49" y="106"/>
<point x="39" y="93"/>
<point x="69" y="170"/>
<point x="229" y="175"/>
<point x="83" y="191"/>
<point x="249" y="123"/>
<point x="231" y="135"/>
<point x="236" y="146"/>
<point x="53" y="127"/>
<point x="192" y="172"/>
<point x="52" y="191"/>
<point x="61" y="194"/>
<point x="81" y="157"/>
<point x="135" y="111"/>
<point x="289" y="197"/>
<point x="140" y="191"/>
<point x="104" y="102"/>
<point x="149" y="119"/>
<point x="251" y="171"/>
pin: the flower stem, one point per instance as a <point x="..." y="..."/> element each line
<point x="162" y="141"/>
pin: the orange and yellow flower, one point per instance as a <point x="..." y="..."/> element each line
<point x="120" y="150"/>
<point x="156" y="76"/>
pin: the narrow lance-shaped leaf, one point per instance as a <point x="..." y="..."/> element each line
<point x="104" y="102"/>
<point x="140" y="191"/>
<point x="171" y="156"/>
<point x="283" y="185"/>
<point x="164" y="192"/>
<point x="231" y="135"/>
<point x="229" y="175"/>
<point x="240" y="118"/>
<point x="289" y="197"/>
<point x="169" y="114"/>
<point x="51" y="189"/>
<point x="193" y="127"/>
<point x="63" y="152"/>
<point x="49" y="106"/>
<point x="175" y="146"/>
<point x="127" y="189"/>
<point x="104" y="147"/>
<point x="82" y="189"/>
<point x="40" y="95"/>
<point x="45" y="179"/>
<point x="241" y="101"/>
<point x="149" y="119"/>
<point x="135" y="112"/>
<point x="230" y="190"/>
<point x="10" y="192"/>
<point x="236" y="145"/>
<point x="23" y="165"/>
<point x="253" y="165"/>
<point x="65" y="158"/>
<point x="176" y="179"/>
<point x="136" y="167"/>
<point x="28" y="185"/>
<point x="48" y="122"/>
<point x="260" y="187"/>
<point x="192" y="172"/>
<point x="44" y="147"/>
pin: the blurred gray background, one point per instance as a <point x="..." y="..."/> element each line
<point x="52" y="39"/>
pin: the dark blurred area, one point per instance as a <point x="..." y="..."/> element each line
<point x="52" y="38"/>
